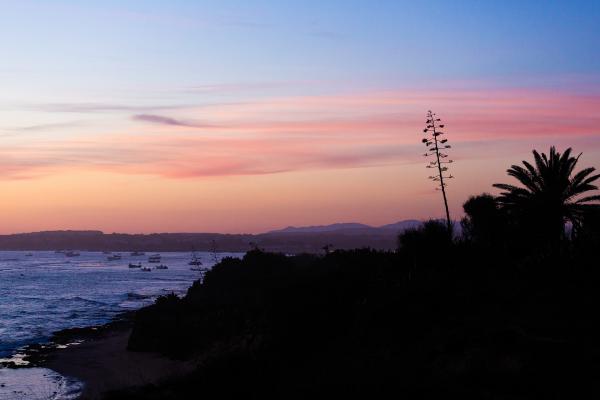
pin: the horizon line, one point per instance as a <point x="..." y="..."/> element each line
<point x="213" y="233"/>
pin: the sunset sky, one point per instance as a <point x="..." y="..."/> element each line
<point x="245" y="116"/>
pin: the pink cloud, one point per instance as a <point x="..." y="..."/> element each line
<point x="162" y="120"/>
<point x="316" y="132"/>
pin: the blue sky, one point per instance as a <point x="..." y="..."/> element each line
<point x="169" y="44"/>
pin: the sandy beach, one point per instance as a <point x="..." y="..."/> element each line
<point x="103" y="363"/>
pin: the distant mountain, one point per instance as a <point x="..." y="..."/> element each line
<point x="351" y="228"/>
<point x="322" y="228"/>
<point x="402" y="225"/>
<point x="309" y="239"/>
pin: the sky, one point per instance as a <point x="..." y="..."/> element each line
<point x="246" y="116"/>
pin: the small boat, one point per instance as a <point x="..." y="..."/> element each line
<point x="139" y="265"/>
<point x="137" y="253"/>
<point x="195" y="260"/>
<point x="214" y="253"/>
<point x="197" y="268"/>
<point x="114" y="257"/>
<point x="72" y="254"/>
<point x="146" y="269"/>
<point x="162" y="266"/>
<point x="154" y="258"/>
<point x="29" y="255"/>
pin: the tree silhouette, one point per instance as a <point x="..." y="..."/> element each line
<point x="551" y="195"/>
<point x="484" y="223"/>
<point x="435" y="145"/>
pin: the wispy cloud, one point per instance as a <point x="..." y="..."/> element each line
<point x="95" y="107"/>
<point x="275" y="135"/>
<point x="234" y="88"/>
<point x="161" y="120"/>
<point x="50" y="126"/>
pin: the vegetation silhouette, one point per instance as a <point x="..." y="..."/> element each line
<point x="483" y="315"/>
<point x="484" y="223"/>
<point x="435" y="148"/>
<point x="551" y="195"/>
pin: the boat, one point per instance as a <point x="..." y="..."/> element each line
<point x="137" y="253"/>
<point x="146" y="269"/>
<point x="114" y="257"/>
<point x="195" y="260"/>
<point x="138" y="265"/>
<point x="71" y="253"/>
<point x="214" y="253"/>
<point x="29" y="255"/>
<point x="154" y="258"/>
<point x="162" y="266"/>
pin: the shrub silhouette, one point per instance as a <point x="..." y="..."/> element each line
<point x="588" y="238"/>
<point x="426" y="245"/>
<point x="550" y="196"/>
<point x="484" y="222"/>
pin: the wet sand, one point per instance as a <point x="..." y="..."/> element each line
<point x="103" y="364"/>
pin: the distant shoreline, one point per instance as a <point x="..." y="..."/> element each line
<point x="282" y="242"/>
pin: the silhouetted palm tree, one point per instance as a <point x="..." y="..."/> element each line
<point x="551" y="195"/>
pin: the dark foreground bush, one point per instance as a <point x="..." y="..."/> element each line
<point x="363" y="323"/>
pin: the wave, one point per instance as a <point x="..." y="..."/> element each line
<point x="137" y="296"/>
<point x="83" y="300"/>
<point x="47" y="293"/>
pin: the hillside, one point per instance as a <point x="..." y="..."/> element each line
<point x="288" y="240"/>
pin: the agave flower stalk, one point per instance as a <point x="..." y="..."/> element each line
<point x="435" y="148"/>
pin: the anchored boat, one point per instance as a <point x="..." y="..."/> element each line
<point x="154" y="258"/>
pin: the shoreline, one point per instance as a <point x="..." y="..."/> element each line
<point x="93" y="352"/>
<point x="36" y="354"/>
<point x="98" y="357"/>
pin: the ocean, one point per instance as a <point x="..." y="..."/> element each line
<point x="43" y="292"/>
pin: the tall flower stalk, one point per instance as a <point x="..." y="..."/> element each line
<point x="435" y="148"/>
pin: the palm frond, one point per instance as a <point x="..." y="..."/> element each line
<point x="572" y="163"/>
<point x="591" y="178"/>
<point x="579" y="189"/>
<point x="539" y="162"/>
<point x="564" y="158"/>
<point x="581" y="175"/>
<point x="524" y="176"/>
<point x="530" y="168"/>
<point x="588" y="199"/>
<point x="507" y="187"/>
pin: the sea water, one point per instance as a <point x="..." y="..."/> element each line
<point x="43" y="292"/>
